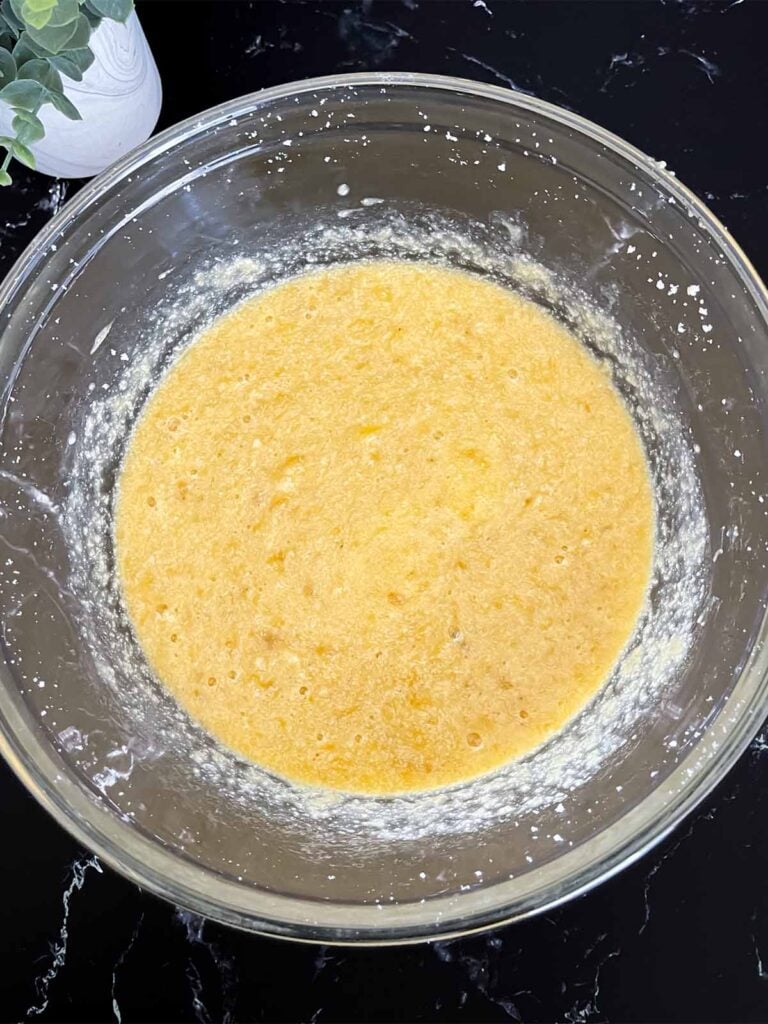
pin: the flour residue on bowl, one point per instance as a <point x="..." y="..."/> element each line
<point x="544" y="779"/>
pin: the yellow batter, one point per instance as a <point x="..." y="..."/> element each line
<point x="384" y="528"/>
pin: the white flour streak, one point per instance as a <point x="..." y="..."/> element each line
<point x="100" y="338"/>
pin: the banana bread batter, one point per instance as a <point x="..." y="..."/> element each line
<point x="384" y="527"/>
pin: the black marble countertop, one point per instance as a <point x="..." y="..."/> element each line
<point x="680" y="936"/>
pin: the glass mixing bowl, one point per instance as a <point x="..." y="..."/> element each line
<point x="320" y="171"/>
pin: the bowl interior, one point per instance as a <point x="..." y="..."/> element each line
<point x="273" y="185"/>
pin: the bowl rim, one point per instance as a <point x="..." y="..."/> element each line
<point x="82" y="817"/>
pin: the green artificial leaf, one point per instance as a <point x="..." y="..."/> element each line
<point x="39" y="70"/>
<point x="35" y="18"/>
<point x="24" y="51"/>
<point x="23" y="93"/>
<point x="35" y="6"/>
<point x="6" y="30"/>
<point x="7" y="141"/>
<point x="53" y="38"/>
<point x="28" y="16"/>
<point x="29" y="47"/>
<point x="22" y="154"/>
<point x="82" y="57"/>
<point x="36" y="13"/>
<point x="10" y="18"/>
<point x="28" y="127"/>
<point x="116" y="10"/>
<point x="81" y="35"/>
<point x="73" y="63"/>
<point x="62" y="104"/>
<point x="7" y="67"/>
<point x="5" y="178"/>
<point x="92" y="17"/>
<point x="66" y="67"/>
<point x="64" y="12"/>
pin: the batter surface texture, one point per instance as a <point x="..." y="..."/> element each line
<point x="384" y="527"/>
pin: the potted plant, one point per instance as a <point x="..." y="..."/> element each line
<point x="78" y="85"/>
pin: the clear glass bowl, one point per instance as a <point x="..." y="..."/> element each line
<point x="97" y="744"/>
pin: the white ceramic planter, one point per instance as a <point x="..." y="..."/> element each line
<point x="119" y="99"/>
